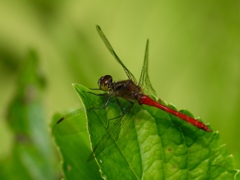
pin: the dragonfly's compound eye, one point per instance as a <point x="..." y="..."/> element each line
<point x="105" y="82"/>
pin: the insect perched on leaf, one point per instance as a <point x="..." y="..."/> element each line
<point x="128" y="90"/>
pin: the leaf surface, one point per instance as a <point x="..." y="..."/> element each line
<point x="148" y="143"/>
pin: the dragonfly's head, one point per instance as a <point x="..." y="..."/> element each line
<point x="105" y="83"/>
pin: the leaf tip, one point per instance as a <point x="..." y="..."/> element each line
<point x="74" y="84"/>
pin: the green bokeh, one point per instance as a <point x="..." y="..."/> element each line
<point x="194" y="54"/>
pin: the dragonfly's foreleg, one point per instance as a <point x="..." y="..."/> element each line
<point x="102" y="95"/>
<point x="106" y="103"/>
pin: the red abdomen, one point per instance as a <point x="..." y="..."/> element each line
<point x="150" y="102"/>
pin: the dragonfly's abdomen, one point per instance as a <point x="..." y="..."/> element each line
<point x="150" y="102"/>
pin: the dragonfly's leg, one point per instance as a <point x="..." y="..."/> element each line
<point x="105" y="105"/>
<point x="129" y="106"/>
<point x="123" y="110"/>
<point x="101" y="95"/>
<point x="120" y="106"/>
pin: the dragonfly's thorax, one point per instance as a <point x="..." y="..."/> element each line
<point x="126" y="89"/>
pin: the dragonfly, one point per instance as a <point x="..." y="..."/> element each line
<point x="135" y="92"/>
<point x="142" y="93"/>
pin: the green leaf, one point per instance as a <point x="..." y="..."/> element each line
<point x="74" y="150"/>
<point x="146" y="143"/>
<point x="73" y="141"/>
<point x="32" y="154"/>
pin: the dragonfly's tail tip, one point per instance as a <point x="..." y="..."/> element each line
<point x="207" y="129"/>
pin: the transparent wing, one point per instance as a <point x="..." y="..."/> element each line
<point x="111" y="50"/>
<point x="75" y="122"/>
<point x="115" y="131"/>
<point x="107" y="140"/>
<point x="144" y="81"/>
<point x="71" y="123"/>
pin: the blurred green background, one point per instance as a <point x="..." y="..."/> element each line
<point x="194" y="54"/>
